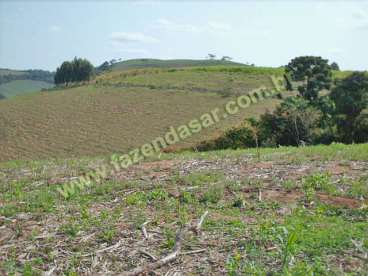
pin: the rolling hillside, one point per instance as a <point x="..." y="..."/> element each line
<point x="124" y="109"/>
<point x="21" y="87"/>
<point x="170" y="63"/>
<point x="17" y="82"/>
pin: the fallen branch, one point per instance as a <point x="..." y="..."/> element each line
<point x="169" y="258"/>
<point x="110" y="248"/>
<point x="200" y="222"/>
<point x="193" y="252"/>
<point x="50" y="272"/>
<point x="176" y="252"/>
<point x="148" y="254"/>
<point x="260" y="195"/>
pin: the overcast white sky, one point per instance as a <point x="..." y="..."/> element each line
<point x="268" y="33"/>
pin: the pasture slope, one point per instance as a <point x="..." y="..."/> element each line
<point x="20" y="82"/>
<point x="122" y="109"/>
<point x="293" y="211"/>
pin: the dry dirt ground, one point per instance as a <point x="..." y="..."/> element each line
<point x="249" y="211"/>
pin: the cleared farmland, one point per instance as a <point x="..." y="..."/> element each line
<point x="120" y="111"/>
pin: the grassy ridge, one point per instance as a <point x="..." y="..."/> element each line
<point x="159" y="63"/>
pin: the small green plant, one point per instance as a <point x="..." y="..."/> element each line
<point x="71" y="229"/>
<point x="157" y="194"/>
<point x="28" y="270"/>
<point x="233" y="264"/>
<point x="108" y="235"/>
<point x="233" y="186"/>
<point x="359" y="188"/>
<point x="170" y="238"/>
<point x="201" y="178"/>
<point x="187" y="197"/>
<point x="138" y="198"/>
<point x="320" y="182"/>
<point x="317" y="182"/>
<point x="288" y="185"/>
<point x="309" y="193"/>
<point x="213" y="194"/>
<point x="288" y="242"/>
<point x="239" y="202"/>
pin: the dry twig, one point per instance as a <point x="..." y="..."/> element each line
<point x="144" y="231"/>
<point x="176" y="252"/>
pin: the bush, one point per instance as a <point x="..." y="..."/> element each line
<point x="350" y="97"/>
<point x="294" y="122"/>
<point x="361" y="128"/>
<point x="237" y="137"/>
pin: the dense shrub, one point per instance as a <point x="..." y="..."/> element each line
<point x="361" y="128"/>
<point x="294" y="122"/>
<point x="350" y="97"/>
<point x="243" y="136"/>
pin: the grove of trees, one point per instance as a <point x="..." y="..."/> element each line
<point x="77" y="70"/>
<point x="309" y="117"/>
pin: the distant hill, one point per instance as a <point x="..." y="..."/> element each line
<point x="21" y="87"/>
<point x="170" y="63"/>
<point x="18" y="82"/>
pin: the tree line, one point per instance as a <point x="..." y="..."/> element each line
<point x="339" y="114"/>
<point x="37" y="75"/>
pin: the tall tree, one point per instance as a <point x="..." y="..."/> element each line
<point x="211" y="56"/>
<point x="350" y="97"/>
<point x="335" y="66"/>
<point x="313" y="73"/>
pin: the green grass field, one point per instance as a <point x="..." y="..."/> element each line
<point x="294" y="211"/>
<point x="124" y="109"/>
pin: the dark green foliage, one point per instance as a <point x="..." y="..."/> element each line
<point x="351" y="94"/>
<point x="289" y="86"/>
<point x="294" y="122"/>
<point x="361" y="128"/>
<point x="341" y="115"/>
<point x="313" y="73"/>
<point x="2" y="97"/>
<point x="335" y="66"/>
<point x="351" y="97"/>
<point x="238" y="137"/>
<point x="77" y="70"/>
<point x="103" y="67"/>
